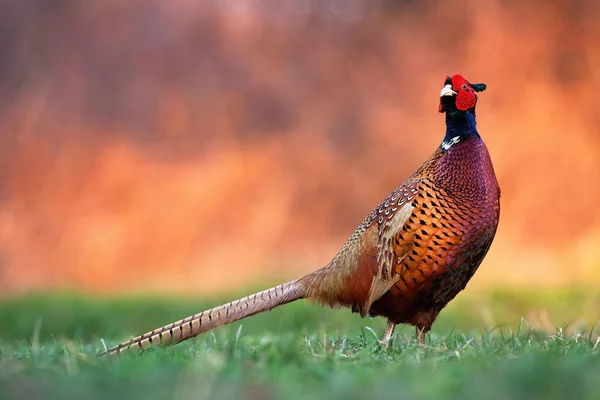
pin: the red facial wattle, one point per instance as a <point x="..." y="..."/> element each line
<point x="465" y="100"/>
<point x="465" y="95"/>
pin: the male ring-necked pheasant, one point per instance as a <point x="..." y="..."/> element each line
<point x="412" y="255"/>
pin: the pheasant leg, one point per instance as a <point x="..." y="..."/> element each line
<point x="389" y="331"/>
<point x="421" y="332"/>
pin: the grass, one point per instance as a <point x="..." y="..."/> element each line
<point x="498" y="345"/>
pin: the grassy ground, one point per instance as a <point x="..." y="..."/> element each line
<point x="499" y="345"/>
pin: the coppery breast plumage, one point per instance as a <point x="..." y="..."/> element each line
<point x="453" y="221"/>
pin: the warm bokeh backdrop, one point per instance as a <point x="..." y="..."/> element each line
<point x="197" y="146"/>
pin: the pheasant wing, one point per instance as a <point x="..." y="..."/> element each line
<point x="390" y="215"/>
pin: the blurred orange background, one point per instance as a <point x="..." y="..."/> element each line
<point x="195" y="147"/>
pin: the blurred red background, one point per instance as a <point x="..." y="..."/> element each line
<point x="202" y="146"/>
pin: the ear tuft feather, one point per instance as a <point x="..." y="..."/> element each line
<point x="478" y="87"/>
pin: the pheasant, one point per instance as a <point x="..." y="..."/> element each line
<point x="410" y="256"/>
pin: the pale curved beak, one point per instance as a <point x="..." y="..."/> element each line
<point x="447" y="91"/>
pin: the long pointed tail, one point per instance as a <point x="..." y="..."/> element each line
<point x="215" y="317"/>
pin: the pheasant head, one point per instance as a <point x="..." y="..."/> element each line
<point x="458" y="95"/>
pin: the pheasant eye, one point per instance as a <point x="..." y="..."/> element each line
<point x="464" y="86"/>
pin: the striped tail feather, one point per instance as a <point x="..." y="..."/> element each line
<point x="210" y="319"/>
